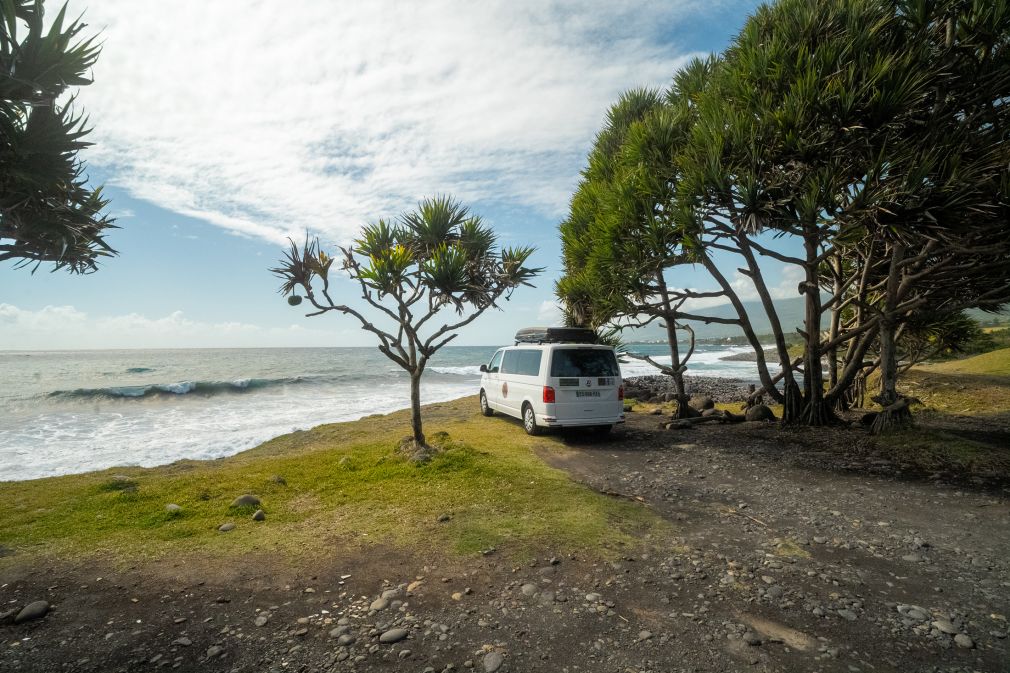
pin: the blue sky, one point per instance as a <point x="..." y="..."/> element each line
<point x="221" y="128"/>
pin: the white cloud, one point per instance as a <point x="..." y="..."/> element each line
<point x="549" y="313"/>
<point x="65" y="327"/>
<point x="267" y="118"/>
<point x="781" y="286"/>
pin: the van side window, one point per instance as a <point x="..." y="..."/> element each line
<point x="510" y="362"/>
<point x="495" y="363"/>
<point x="529" y="363"/>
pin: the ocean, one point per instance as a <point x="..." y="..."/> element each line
<point x="64" y="412"/>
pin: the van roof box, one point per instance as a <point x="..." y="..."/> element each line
<point x="554" y="335"/>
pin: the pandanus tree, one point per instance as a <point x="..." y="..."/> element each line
<point x="424" y="276"/>
<point x="48" y="211"/>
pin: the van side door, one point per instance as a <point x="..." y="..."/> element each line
<point x="510" y="396"/>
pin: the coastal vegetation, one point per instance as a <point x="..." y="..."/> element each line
<point x="343" y="484"/>
<point x="48" y="210"/>
<point x="436" y="261"/>
<point x="863" y="144"/>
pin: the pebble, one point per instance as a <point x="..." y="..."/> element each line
<point x="644" y="635"/>
<point x="34" y="610"/>
<point x="225" y="527"/>
<point x="944" y="626"/>
<point x="443" y="518"/>
<point x="393" y="636"/>
<point x="247" y="500"/>
<point x="214" y="651"/>
<point x="592" y="598"/>
<point x="848" y="615"/>
<point x="379" y="604"/>
<point x="752" y="638"/>
<point x="529" y="589"/>
<point x="346" y="639"/>
<point x="172" y="508"/>
<point x="964" y="641"/>
<point x="183" y="642"/>
<point x="493" y="661"/>
<point x="262" y="620"/>
<point x="259" y="515"/>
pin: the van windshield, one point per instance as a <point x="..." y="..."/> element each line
<point x="584" y="362"/>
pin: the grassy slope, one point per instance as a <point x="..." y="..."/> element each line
<point x="976" y="389"/>
<point x="344" y="485"/>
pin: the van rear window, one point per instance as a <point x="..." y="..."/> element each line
<point x="584" y="362"/>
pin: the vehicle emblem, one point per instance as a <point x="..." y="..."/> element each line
<point x="589" y="383"/>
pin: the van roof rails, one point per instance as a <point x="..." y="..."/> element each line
<point x="555" y="335"/>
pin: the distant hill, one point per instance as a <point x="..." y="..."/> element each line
<point x="791" y="313"/>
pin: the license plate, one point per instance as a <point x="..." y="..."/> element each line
<point x="587" y="393"/>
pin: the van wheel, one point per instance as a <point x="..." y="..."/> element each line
<point x="485" y="408"/>
<point x="530" y="420"/>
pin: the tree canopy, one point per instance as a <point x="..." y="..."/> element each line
<point x="48" y="211"/>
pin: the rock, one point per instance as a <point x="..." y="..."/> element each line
<point x="259" y="515"/>
<point x="393" y="636"/>
<point x="848" y="615"/>
<point x="914" y="612"/>
<point x="944" y="626"/>
<point x="759" y="412"/>
<point x="34" y="610"/>
<point x="379" y="604"/>
<point x="414" y="586"/>
<point x="247" y="500"/>
<point x="172" y="508"/>
<point x="404" y="654"/>
<point x="345" y="639"/>
<point x="225" y="527"/>
<point x="711" y="412"/>
<point x="912" y="558"/>
<point x="821" y="540"/>
<point x="529" y="589"/>
<point x="774" y="592"/>
<point x="644" y="635"/>
<point x="279" y="480"/>
<point x="493" y="661"/>
<point x="214" y="651"/>
<point x="593" y="598"/>
<point x="182" y="642"/>
<point x="751" y="638"/>
<point x="962" y="640"/>
<point x="703" y="403"/>
<point x="443" y="518"/>
<point x="262" y="620"/>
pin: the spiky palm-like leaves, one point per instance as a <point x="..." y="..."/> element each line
<point x="48" y="212"/>
<point x="409" y="271"/>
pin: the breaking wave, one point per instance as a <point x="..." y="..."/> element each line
<point x="203" y="388"/>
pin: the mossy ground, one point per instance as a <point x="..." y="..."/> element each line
<point x="342" y="484"/>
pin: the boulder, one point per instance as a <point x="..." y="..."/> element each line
<point x="759" y="412"/>
<point x="703" y="403"/>
<point x="247" y="500"/>
<point x="259" y="515"/>
<point x="34" y="610"/>
<point x="172" y="508"/>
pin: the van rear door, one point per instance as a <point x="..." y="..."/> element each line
<point x="585" y="381"/>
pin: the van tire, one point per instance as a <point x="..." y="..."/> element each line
<point x="530" y="420"/>
<point x="485" y="408"/>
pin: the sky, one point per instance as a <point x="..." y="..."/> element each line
<point x="221" y="128"/>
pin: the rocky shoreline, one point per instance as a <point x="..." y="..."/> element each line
<point x="652" y="388"/>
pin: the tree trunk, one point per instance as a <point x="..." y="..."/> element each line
<point x="893" y="416"/>
<point x="816" y="411"/>
<point x="415" y="409"/>
<point x="670" y="317"/>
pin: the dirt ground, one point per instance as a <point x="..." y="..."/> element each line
<point x="781" y="557"/>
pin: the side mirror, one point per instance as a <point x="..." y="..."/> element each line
<point x="483" y="368"/>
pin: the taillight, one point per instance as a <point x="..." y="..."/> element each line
<point x="620" y="393"/>
<point x="548" y="395"/>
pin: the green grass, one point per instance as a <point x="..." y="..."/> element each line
<point x="993" y="363"/>
<point x="342" y="484"/>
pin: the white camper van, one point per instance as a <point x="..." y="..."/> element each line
<point x="554" y="378"/>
